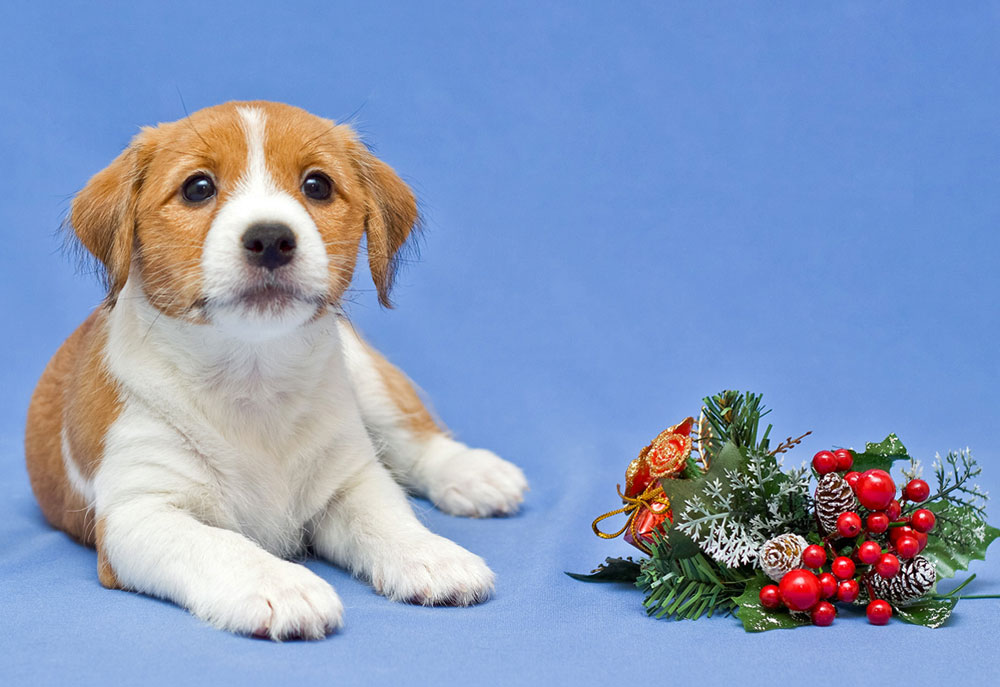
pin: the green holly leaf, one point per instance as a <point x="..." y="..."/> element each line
<point x="680" y="490"/>
<point x="880" y="456"/>
<point x="929" y="613"/>
<point x="890" y="446"/>
<point x="755" y="617"/>
<point x="612" y="570"/>
<point x="959" y="537"/>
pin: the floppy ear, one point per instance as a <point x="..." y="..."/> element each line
<point x="103" y="214"/>
<point x="390" y="216"/>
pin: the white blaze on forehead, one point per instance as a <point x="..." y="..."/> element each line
<point x="256" y="178"/>
<point x="256" y="198"/>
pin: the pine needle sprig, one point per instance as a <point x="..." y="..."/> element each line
<point x="954" y="474"/>
<point x="735" y="417"/>
<point x="687" y="588"/>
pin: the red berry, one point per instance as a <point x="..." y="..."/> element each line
<point x="907" y="546"/>
<point x="827" y="585"/>
<point x="800" y="589"/>
<point x="917" y="490"/>
<point x="848" y="590"/>
<point x="823" y="614"/>
<point x="905" y="531"/>
<point x="814" y="556"/>
<point x="879" y="612"/>
<point x="875" y="489"/>
<point x="770" y="597"/>
<point x="887" y="566"/>
<point x="824" y="462"/>
<point x="893" y="510"/>
<point x="877" y="522"/>
<point x="843" y="567"/>
<point x="845" y="459"/>
<point x="852" y="478"/>
<point x="849" y="524"/>
<point x="869" y="552"/>
<point x="923" y="520"/>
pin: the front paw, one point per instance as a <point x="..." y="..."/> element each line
<point x="274" y="599"/>
<point x="477" y="483"/>
<point x="433" y="571"/>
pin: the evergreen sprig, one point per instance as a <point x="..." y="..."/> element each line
<point x="744" y="499"/>
<point x="687" y="588"/>
<point x="954" y="474"/>
<point x="734" y="417"/>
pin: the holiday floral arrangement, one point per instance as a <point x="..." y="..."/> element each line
<point x="727" y="529"/>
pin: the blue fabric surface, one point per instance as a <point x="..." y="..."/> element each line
<point x="627" y="208"/>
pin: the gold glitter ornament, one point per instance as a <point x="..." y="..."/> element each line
<point x="780" y="555"/>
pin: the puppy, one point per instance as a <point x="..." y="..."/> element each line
<point x="218" y="415"/>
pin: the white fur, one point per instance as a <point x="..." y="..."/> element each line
<point x="225" y="272"/>
<point x="457" y="479"/>
<point x="243" y="440"/>
<point x="83" y="486"/>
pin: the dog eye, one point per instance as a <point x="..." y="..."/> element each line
<point x="198" y="188"/>
<point x="317" y="186"/>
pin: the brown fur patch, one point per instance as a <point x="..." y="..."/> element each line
<point x="105" y="575"/>
<point x="74" y="392"/>
<point x="133" y="212"/>
<point x="403" y="393"/>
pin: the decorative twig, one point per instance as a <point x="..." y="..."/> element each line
<point x="789" y="444"/>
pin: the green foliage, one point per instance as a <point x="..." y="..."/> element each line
<point x="932" y="612"/>
<point x="611" y="570"/>
<point x="755" y="617"/>
<point x="962" y="533"/>
<point x="959" y="537"/>
<point x="880" y="456"/>
<point x="681" y="492"/>
<point x="734" y="418"/>
<point x="954" y="474"/>
<point x="687" y="588"/>
<point x="744" y="499"/>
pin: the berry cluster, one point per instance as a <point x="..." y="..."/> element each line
<point x="868" y="540"/>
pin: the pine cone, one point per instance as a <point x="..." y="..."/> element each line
<point x="779" y="555"/>
<point x="833" y="497"/>
<point x="914" y="579"/>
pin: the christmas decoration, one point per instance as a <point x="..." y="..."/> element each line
<point x="914" y="579"/>
<point x="833" y="497"/>
<point x="823" y="614"/>
<point x="729" y="530"/>
<point x="781" y="554"/>
<point x="813" y="556"/>
<point x="879" y="612"/>
<point x="645" y="503"/>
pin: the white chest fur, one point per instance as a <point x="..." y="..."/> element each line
<point x="264" y="433"/>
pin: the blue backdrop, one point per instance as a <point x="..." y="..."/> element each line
<point x="629" y="206"/>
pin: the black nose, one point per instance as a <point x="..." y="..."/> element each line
<point x="269" y="245"/>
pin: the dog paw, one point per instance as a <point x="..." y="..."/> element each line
<point x="279" y="600"/>
<point x="477" y="483"/>
<point x="433" y="571"/>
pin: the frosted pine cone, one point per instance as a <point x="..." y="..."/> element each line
<point x="914" y="579"/>
<point x="779" y="555"/>
<point x="833" y="497"/>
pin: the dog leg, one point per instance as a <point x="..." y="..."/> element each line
<point x="153" y="538"/>
<point x="220" y="576"/>
<point x="371" y="530"/>
<point x="418" y="449"/>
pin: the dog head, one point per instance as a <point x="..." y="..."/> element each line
<point x="247" y="216"/>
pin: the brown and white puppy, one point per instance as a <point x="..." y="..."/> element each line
<point x="218" y="414"/>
